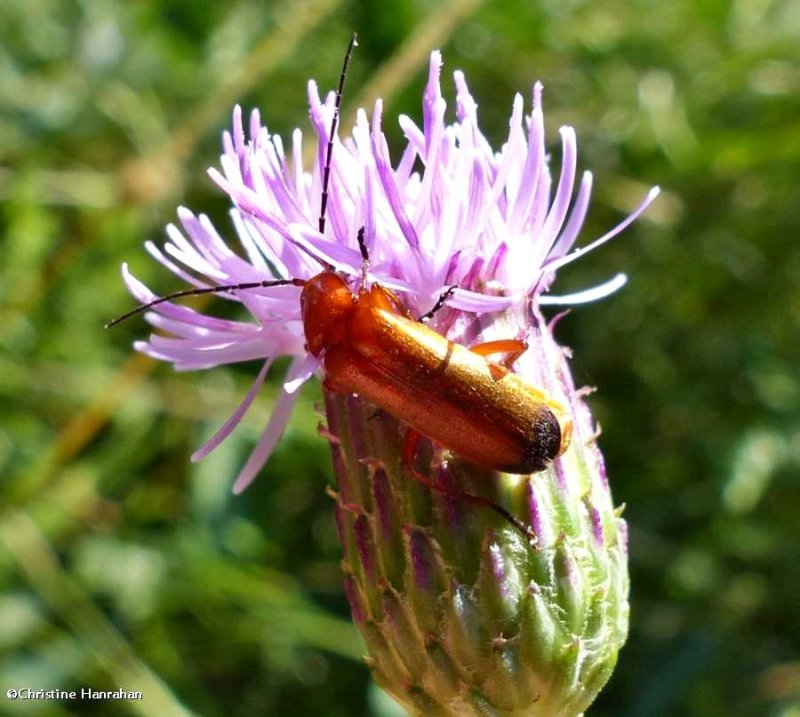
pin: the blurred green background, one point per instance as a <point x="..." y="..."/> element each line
<point x="123" y="565"/>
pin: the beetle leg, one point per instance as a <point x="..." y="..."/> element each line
<point x="514" y="348"/>
<point x="444" y="296"/>
<point x="410" y="446"/>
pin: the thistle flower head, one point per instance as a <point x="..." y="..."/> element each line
<point x="461" y="616"/>
<point x="450" y="212"/>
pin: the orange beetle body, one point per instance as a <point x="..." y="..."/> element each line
<point x="478" y="409"/>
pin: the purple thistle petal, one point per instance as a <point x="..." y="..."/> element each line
<point x="164" y="260"/>
<point x="578" y="253"/>
<point x="480" y="303"/>
<point x="533" y="174"/>
<point x="580" y="207"/>
<point x="601" y="291"/>
<point x="558" y="210"/>
<point x="387" y="178"/>
<point x="227" y="427"/>
<point x="325" y="251"/>
<point x="304" y="369"/>
<point x="190" y="323"/>
<point x="238" y="132"/>
<point x="193" y="358"/>
<point x="270" y="437"/>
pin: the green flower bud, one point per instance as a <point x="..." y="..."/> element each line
<point x="461" y="613"/>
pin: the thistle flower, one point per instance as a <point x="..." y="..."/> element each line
<point x="461" y="615"/>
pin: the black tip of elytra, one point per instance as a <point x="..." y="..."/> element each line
<point x="545" y="442"/>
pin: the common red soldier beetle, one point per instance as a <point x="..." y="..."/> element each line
<point x="369" y="344"/>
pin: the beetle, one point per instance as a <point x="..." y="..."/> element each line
<point x="370" y="344"/>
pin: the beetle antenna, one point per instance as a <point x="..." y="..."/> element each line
<point x="326" y="171"/>
<point x="229" y="288"/>
<point x="362" y="247"/>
